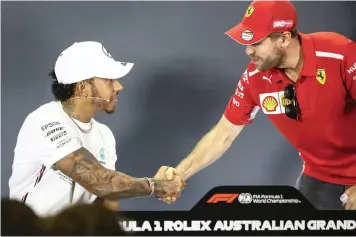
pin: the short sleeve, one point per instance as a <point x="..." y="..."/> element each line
<point x="53" y="138"/>
<point x="241" y="108"/>
<point x="349" y="69"/>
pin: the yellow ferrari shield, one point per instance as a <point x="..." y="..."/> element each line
<point x="321" y="76"/>
<point x="249" y="11"/>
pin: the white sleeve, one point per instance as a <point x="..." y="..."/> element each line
<point x="113" y="159"/>
<point x="111" y="145"/>
<point x="55" y="139"/>
<point x="113" y="155"/>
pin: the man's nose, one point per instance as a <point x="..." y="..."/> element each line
<point x="250" y="50"/>
<point x="118" y="86"/>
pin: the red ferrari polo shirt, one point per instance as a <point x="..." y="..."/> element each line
<point x="325" y="134"/>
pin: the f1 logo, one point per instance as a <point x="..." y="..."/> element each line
<point x="223" y="197"/>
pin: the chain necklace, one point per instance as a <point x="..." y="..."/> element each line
<point x="81" y="129"/>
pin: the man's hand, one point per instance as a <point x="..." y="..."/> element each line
<point x="170" y="174"/>
<point x="351" y="198"/>
<point x="168" y="189"/>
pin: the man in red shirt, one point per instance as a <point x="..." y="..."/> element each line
<point x="306" y="85"/>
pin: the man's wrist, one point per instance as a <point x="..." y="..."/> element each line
<point x="181" y="172"/>
<point x="151" y="183"/>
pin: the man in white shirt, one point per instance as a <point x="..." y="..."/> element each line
<point x="63" y="155"/>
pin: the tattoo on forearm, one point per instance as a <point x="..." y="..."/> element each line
<point x="84" y="169"/>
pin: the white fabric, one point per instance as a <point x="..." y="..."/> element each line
<point x="88" y="59"/>
<point x="46" y="136"/>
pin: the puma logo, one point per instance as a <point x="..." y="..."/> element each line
<point x="268" y="79"/>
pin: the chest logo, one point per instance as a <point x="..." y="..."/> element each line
<point x="321" y="76"/>
<point x="267" y="79"/>
<point x="270" y="103"/>
<point x="285" y="101"/>
<point x="102" y="154"/>
<point x="273" y="102"/>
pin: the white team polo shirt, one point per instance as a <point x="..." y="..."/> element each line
<point x="46" y="136"/>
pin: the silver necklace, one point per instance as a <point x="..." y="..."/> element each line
<point x="84" y="131"/>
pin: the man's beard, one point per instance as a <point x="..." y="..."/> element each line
<point x="270" y="62"/>
<point x="99" y="103"/>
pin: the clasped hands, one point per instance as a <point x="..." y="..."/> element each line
<point x="169" y="184"/>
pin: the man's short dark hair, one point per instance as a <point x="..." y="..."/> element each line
<point x="61" y="92"/>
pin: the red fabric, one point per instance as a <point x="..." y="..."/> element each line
<point x="263" y="18"/>
<point x="326" y="133"/>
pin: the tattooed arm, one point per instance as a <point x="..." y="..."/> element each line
<point x="84" y="169"/>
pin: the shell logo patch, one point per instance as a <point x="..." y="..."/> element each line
<point x="270" y="103"/>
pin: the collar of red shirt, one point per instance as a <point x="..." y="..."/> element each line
<point x="309" y="64"/>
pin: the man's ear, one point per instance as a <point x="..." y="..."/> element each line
<point x="286" y="38"/>
<point x="81" y="89"/>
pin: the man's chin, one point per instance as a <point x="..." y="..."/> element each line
<point x="110" y="111"/>
<point x="110" y="108"/>
<point x="263" y="68"/>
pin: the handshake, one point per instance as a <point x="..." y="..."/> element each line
<point x="168" y="184"/>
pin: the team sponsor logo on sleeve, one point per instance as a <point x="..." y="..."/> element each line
<point x="245" y="77"/>
<point x="64" y="142"/>
<point x="352" y="69"/>
<point x="54" y="130"/>
<point x="50" y="125"/>
<point x="235" y="102"/>
<point x="240" y="86"/>
<point x="58" y="136"/>
<point x="239" y="94"/>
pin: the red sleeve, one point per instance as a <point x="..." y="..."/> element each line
<point x="241" y="108"/>
<point x="349" y="69"/>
